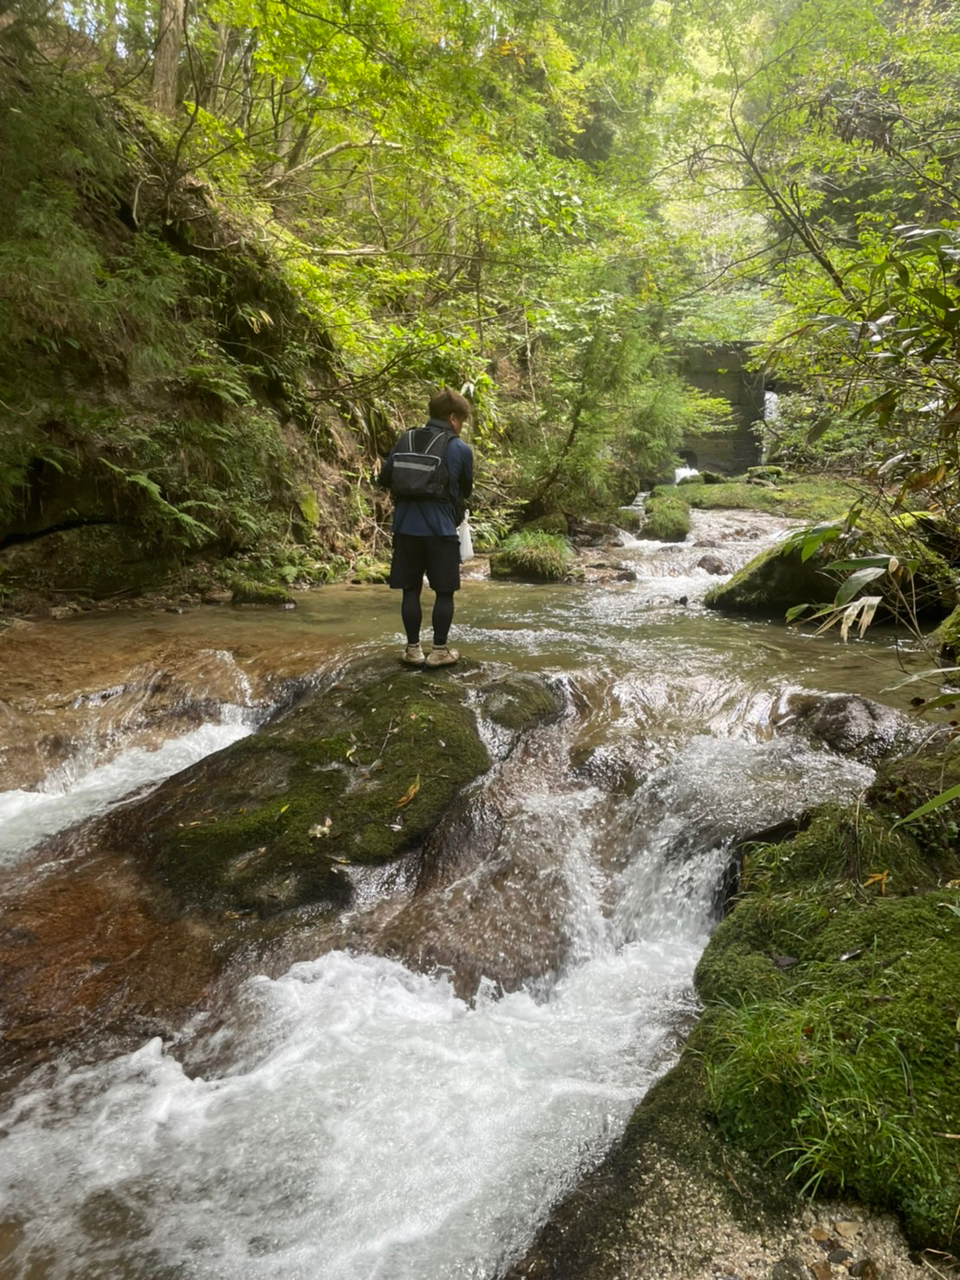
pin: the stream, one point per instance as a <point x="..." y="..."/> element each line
<point x="340" y="1115"/>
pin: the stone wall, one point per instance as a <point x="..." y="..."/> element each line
<point x="718" y="370"/>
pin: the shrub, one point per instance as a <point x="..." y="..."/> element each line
<point x="534" y="556"/>
<point x="246" y="591"/>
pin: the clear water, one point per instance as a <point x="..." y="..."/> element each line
<point x="352" y="1119"/>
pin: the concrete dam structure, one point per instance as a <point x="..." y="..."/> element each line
<point x="720" y="370"/>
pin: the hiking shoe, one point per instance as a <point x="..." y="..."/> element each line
<point x="441" y="656"/>
<point x="413" y="656"/>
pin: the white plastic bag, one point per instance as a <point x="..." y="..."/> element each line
<point x="466" y="538"/>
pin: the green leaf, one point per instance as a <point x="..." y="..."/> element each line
<point x="853" y="584"/>
<point x="945" y="797"/>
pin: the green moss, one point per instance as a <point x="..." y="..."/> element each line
<point x="833" y="997"/>
<point x="804" y="500"/>
<point x="905" y="785"/>
<point x="847" y="1075"/>
<point x="667" y="516"/>
<point x="350" y="776"/>
<point x="629" y="518"/>
<point x="245" y="591"/>
<point x="520" y="702"/>
<point x="367" y="569"/>
<point x="309" y="506"/>
<point x="931" y="587"/>
<point x="947" y="637"/>
<point x="552" y="522"/>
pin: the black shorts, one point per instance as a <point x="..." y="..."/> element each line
<point x="413" y="556"/>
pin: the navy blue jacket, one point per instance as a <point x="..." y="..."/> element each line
<point x="427" y="518"/>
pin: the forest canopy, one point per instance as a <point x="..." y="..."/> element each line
<point x="243" y="241"/>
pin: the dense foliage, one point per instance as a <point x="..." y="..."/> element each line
<point x="227" y="223"/>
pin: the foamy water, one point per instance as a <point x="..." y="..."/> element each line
<point x="354" y="1120"/>
<point x="74" y="792"/>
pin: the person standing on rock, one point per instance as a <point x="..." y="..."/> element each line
<point x="429" y="471"/>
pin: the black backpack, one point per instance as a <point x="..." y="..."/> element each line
<point x="420" y="466"/>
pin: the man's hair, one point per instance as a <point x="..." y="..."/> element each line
<point x="444" y="403"/>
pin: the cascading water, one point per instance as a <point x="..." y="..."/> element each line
<point x="352" y="1119"/>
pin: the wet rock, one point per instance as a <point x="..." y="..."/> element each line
<point x="519" y="701"/>
<point x="205" y="869"/>
<point x="852" y="725"/>
<point x="772" y="583"/>
<point x="354" y="773"/>
<point x="591" y="533"/>
<point x="93" y="952"/>
<point x="712" y="564"/>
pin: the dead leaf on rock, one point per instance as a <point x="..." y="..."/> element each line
<point x="410" y="793"/>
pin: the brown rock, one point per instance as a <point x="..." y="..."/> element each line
<point x="865" y="1269"/>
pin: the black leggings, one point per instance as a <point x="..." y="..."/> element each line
<point x="412" y="615"/>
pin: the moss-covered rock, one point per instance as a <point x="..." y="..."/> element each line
<point x="773" y="582"/>
<point x="833" y="998"/>
<point x="772" y="472"/>
<point x="533" y="557"/>
<point x="807" y="499"/>
<point x="629" y="518"/>
<point x="947" y="637"/>
<point x="519" y="702"/>
<point x="667" y="516"/>
<point x="368" y="569"/>
<point x="96" y="561"/>
<point x="356" y="773"/>
<point x="905" y="785"/>
<point x="552" y="522"/>
<point x="651" y="1207"/>
<point x="919" y="583"/>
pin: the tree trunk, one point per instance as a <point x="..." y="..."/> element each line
<point x="166" y="59"/>
<point x="282" y="130"/>
<point x="216" y="80"/>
